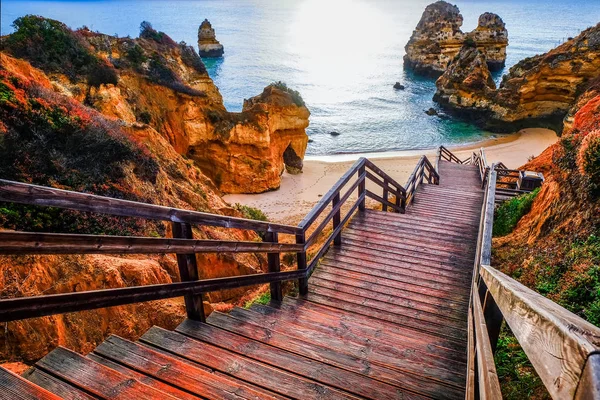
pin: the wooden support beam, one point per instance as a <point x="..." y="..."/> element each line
<point x="337" y="240"/>
<point x="589" y="385"/>
<point x="302" y="265"/>
<point x="274" y="266"/>
<point x="362" y="189"/>
<point x="489" y="386"/>
<point x="188" y="272"/>
<point x="557" y="342"/>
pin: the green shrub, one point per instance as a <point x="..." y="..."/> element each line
<point x="509" y="213"/>
<point x="296" y="97"/>
<point x="250" y="212"/>
<point x="160" y="73"/>
<point x="518" y="379"/>
<point x="148" y="32"/>
<point x="589" y="159"/>
<point x="264" y="298"/>
<point x="51" y="46"/>
<point x="136" y="55"/>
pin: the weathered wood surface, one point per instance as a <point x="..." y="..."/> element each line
<point x="60" y="243"/>
<point x="12" y="386"/>
<point x="589" y="385"/>
<point x="45" y="196"/>
<point x="557" y="342"/>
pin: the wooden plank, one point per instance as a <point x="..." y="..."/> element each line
<point x="346" y="327"/>
<point x="60" y="243"/>
<point x="240" y="367"/>
<point x="37" y="306"/>
<point x="402" y="316"/>
<point x="488" y="223"/>
<point x="12" y="387"/>
<point x="367" y="326"/>
<point x="178" y="373"/>
<point x="302" y="264"/>
<point x="55" y="385"/>
<point x="470" y="390"/>
<point x="384" y="185"/>
<point x="556" y="341"/>
<point x="95" y="378"/>
<point x="330" y="375"/>
<point x="143" y="378"/>
<point x="382" y="174"/>
<point x="489" y="387"/>
<point x="401" y="356"/>
<point x="415" y="383"/>
<point x="16" y="192"/>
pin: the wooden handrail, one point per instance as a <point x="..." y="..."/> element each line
<point x="444" y="153"/>
<point x="563" y="348"/>
<point x="16" y="192"/>
<point x="60" y="243"/>
<point x="417" y="176"/>
<point x="183" y="244"/>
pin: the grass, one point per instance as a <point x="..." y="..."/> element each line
<point x="517" y="376"/>
<point x="251" y="212"/>
<point x="509" y="213"/>
<point x="264" y="298"/>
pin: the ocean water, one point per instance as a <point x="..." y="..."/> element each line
<point x="342" y="55"/>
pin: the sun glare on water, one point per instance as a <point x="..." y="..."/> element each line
<point x="335" y="43"/>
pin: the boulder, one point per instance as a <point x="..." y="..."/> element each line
<point x="399" y="86"/>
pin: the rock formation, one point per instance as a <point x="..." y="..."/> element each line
<point x="437" y="39"/>
<point x="208" y="45"/>
<point x="166" y="85"/>
<point x="125" y="121"/>
<point x="537" y="92"/>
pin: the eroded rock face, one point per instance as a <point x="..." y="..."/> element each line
<point x="208" y="44"/>
<point x="165" y="85"/>
<point x="537" y="92"/>
<point x="438" y="38"/>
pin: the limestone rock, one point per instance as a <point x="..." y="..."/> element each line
<point x="438" y="38"/>
<point x="537" y="92"/>
<point x="208" y="45"/>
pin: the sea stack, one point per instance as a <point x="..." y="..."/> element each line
<point x="437" y="39"/>
<point x="208" y="45"/>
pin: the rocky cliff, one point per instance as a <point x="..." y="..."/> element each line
<point x="438" y="38"/>
<point x="537" y="92"/>
<point x="208" y="45"/>
<point x="100" y="114"/>
<point x="155" y="81"/>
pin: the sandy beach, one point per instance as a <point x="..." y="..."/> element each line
<point x="299" y="193"/>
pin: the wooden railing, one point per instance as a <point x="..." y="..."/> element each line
<point x="183" y="244"/>
<point x="445" y="154"/>
<point x="423" y="170"/>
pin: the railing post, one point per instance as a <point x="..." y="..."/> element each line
<point x="493" y="318"/>
<point x="188" y="271"/>
<point x="362" y="188"/>
<point x="336" y="220"/>
<point x="274" y="266"/>
<point x="302" y="282"/>
<point x="386" y="194"/>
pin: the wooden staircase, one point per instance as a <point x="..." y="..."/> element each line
<point x="388" y="313"/>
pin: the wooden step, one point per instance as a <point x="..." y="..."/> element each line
<point x="331" y="375"/>
<point x="13" y="386"/>
<point x="185" y="376"/>
<point x="55" y="385"/>
<point x="324" y="354"/>
<point x="94" y="378"/>
<point x="243" y="368"/>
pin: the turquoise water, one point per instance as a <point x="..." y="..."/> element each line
<point x="343" y="56"/>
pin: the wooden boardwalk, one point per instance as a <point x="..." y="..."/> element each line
<point x="385" y="318"/>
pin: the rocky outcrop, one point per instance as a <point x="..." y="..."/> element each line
<point x="76" y="147"/>
<point x="537" y="92"/>
<point x="165" y="85"/>
<point x="438" y="38"/>
<point x="208" y="45"/>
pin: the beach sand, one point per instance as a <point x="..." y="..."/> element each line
<point x="299" y="193"/>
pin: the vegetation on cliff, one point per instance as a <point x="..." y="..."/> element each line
<point x="555" y="247"/>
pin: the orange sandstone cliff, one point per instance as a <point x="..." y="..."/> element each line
<point x="132" y="119"/>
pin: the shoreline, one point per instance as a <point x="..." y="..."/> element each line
<point x="298" y="194"/>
